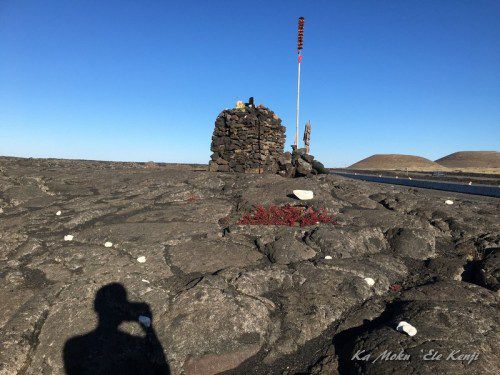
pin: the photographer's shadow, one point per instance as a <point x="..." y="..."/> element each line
<point x="106" y="349"/>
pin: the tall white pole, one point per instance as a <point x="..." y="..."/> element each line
<point x="298" y="109"/>
<point x="299" y="48"/>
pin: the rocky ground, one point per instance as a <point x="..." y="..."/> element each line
<point x="240" y="299"/>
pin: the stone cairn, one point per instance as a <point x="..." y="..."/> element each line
<point x="251" y="139"/>
<point x="299" y="163"/>
<point x="247" y="139"/>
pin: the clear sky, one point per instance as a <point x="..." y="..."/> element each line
<point x="144" y="80"/>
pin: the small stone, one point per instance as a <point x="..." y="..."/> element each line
<point x="68" y="237"/>
<point x="369" y="281"/>
<point x="406" y="328"/>
<point x="328" y="257"/>
<point x="13" y="263"/>
<point x="145" y="321"/>
<point x="145" y="281"/>
<point x="304" y="195"/>
<point x="108" y="244"/>
<point x="58" y="213"/>
<point x="448" y="201"/>
<point x="141" y="259"/>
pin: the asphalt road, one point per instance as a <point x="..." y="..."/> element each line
<point x="486" y="190"/>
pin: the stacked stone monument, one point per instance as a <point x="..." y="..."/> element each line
<point x="251" y="139"/>
<point x="247" y="139"/>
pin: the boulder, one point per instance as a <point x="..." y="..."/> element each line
<point x="287" y="250"/>
<point x="341" y="243"/>
<point x="319" y="167"/>
<point x="413" y="243"/>
<point x="489" y="270"/>
<point x="303" y="168"/>
<point x="308" y="158"/>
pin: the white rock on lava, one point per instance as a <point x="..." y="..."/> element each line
<point x="303" y="195"/>
<point x="369" y="281"/>
<point x="406" y="328"/>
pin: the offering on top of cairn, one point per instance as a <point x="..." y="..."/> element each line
<point x="251" y="139"/>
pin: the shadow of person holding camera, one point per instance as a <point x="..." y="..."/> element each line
<point x="108" y="350"/>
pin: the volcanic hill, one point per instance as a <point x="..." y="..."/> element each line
<point x="397" y="162"/>
<point x="472" y="160"/>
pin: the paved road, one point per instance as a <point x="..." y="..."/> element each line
<point x="490" y="191"/>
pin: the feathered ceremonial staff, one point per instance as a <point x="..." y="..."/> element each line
<point x="300" y="42"/>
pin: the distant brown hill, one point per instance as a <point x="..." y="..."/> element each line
<point x="383" y="162"/>
<point x="467" y="160"/>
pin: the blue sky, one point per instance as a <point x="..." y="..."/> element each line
<point x="145" y="80"/>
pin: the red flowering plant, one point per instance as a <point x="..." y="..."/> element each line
<point x="286" y="215"/>
<point x="396" y="287"/>
<point x="192" y="198"/>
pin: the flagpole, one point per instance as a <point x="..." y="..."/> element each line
<point x="298" y="107"/>
<point x="299" y="48"/>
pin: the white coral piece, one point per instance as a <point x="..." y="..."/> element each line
<point x="304" y="195"/>
<point x="406" y="328"/>
<point x="369" y="281"/>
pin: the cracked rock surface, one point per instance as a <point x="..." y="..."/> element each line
<point x="236" y="299"/>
